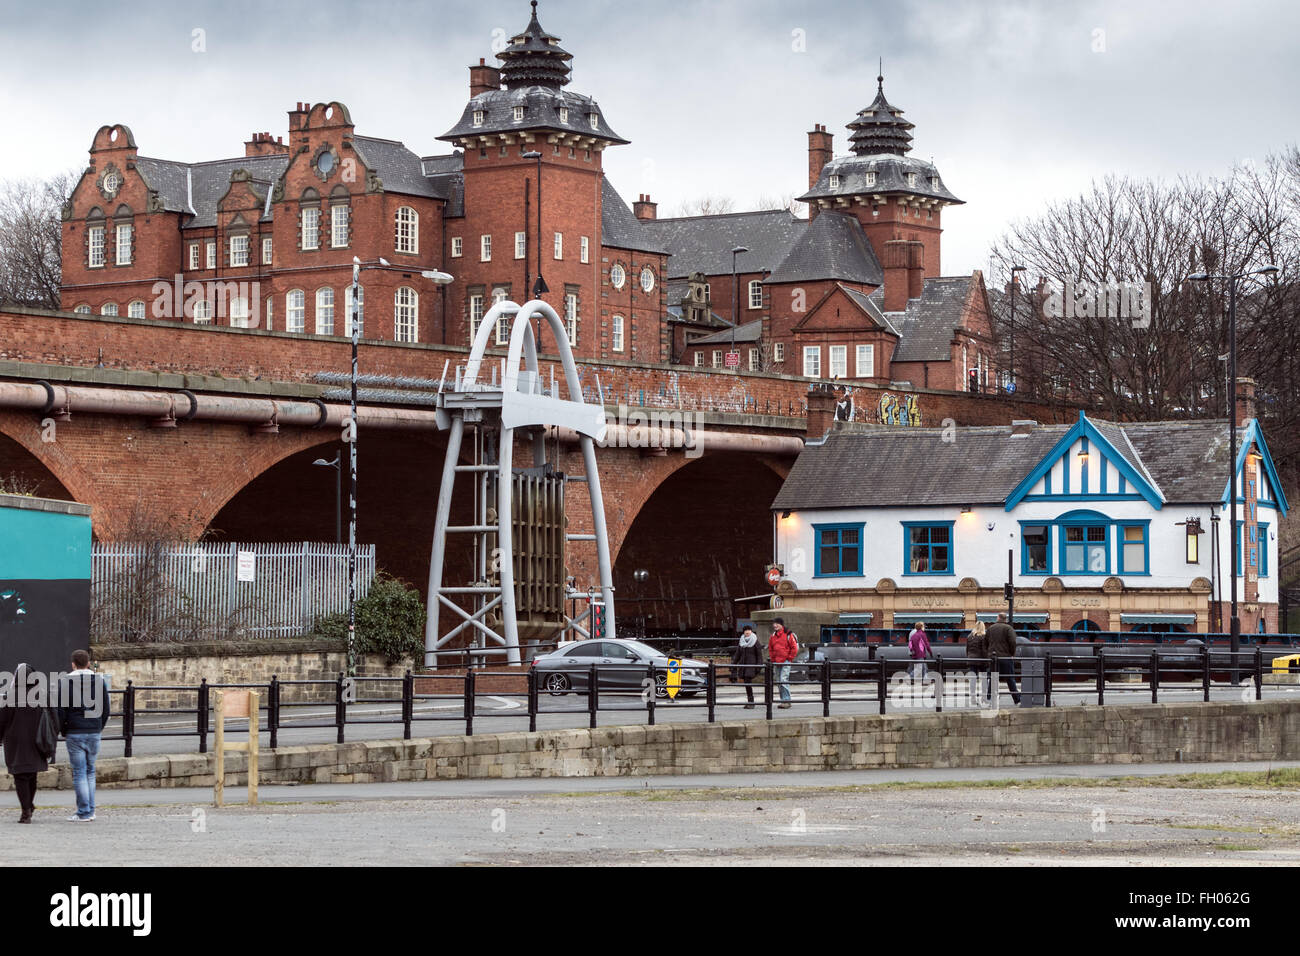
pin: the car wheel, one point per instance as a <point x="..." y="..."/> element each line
<point x="556" y="684"/>
<point x="661" y="685"/>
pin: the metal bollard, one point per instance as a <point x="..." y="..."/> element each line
<point x="273" y="710"/>
<point x="1047" y="680"/>
<point x="202" y="714"/>
<point x="128" y="718"/>
<point x="767" y="688"/>
<point x="532" y="700"/>
<point x="469" y="702"/>
<point x="938" y="691"/>
<point x="882" y="683"/>
<point x="711" y="691"/>
<point x="826" y="688"/>
<point x="1259" y="673"/>
<point x="593" y="697"/>
<point x="1155" y="677"/>
<point x="408" y="704"/>
<point x="654" y="692"/>
<point x="1101" y="677"/>
<point x="1205" y="672"/>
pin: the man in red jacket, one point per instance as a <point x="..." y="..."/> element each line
<point x="781" y="650"/>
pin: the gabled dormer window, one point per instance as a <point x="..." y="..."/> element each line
<point x="519" y="114"/>
<point x="595" y="120"/>
<point x="564" y="114"/>
<point x="835" y="182"/>
<point x="934" y="182"/>
<point x="478" y="117"/>
<point x="911" y="179"/>
<point x="871" y="177"/>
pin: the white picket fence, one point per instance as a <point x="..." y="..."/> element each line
<point x="147" y="592"/>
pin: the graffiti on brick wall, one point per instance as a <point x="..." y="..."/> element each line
<point x="899" y="409"/>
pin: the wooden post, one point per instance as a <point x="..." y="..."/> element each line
<point x="236" y="703"/>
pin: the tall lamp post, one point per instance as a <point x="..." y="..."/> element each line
<point x="735" y="299"/>
<point x="337" y="465"/>
<point x="1234" y="625"/>
<point x="1011" y="373"/>
<point x="350" y="436"/>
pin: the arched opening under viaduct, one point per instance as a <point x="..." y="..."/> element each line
<point x="23" y="473"/>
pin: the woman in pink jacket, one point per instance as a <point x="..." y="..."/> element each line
<point x="918" y="648"/>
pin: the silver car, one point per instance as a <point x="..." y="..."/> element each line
<point x="621" y="665"/>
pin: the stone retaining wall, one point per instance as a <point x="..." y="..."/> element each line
<point x="1189" y="732"/>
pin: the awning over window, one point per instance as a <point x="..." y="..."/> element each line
<point x="855" y="619"/>
<point x="1029" y="617"/>
<point x="1157" y="618"/>
<point x="929" y="617"/>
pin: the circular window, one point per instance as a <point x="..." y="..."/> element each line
<point x="112" y="181"/>
<point x="617" y="276"/>
<point x="647" y="279"/>
<point x="325" y="163"/>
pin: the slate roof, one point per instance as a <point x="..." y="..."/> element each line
<point x="871" y="304"/>
<point x="880" y="127"/>
<point x="446" y="175"/>
<point x="619" y="227"/>
<point x="704" y="243"/>
<point x="400" y="170"/>
<point x="862" y="465"/>
<point x="833" y="246"/>
<point x="928" y="324"/>
<point x="891" y="178"/>
<point x="542" y="105"/>
<point x="749" y="332"/>
<point x="196" y="188"/>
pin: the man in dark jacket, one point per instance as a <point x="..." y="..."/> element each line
<point x="1002" y="643"/>
<point x="83" y="713"/>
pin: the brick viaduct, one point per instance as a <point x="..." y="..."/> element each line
<point x="700" y="524"/>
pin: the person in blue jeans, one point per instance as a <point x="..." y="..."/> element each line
<point x="83" y="712"/>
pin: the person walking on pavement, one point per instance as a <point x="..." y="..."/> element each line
<point x="1002" y="642"/>
<point x="746" y="660"/>
<point x="918" y="649"/>
<point x="977" y="652"/>
<point x="83" y="712"/>
<point x="781" y="650"/>
<point x="20" y="723"/>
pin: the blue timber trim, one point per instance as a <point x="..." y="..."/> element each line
<point x="817" y="549"/>
<point x="1145" y="525"/>
<point x="1047" y="524"/>
<point x="1081" y="518"/>
<point x="907" y="547"/>
<point x="1263" y="549"/>
<point x="1104" y="468"/>
<point x="1255" y="435"/>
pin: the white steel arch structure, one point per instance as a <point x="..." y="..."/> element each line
<point x="518" y="401"/>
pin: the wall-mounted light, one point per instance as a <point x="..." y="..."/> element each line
<point x="965" y="509"/>
<point x="1083" y="454"/>
<point x="1193" y="528"/>
<point x="785" y="514"/>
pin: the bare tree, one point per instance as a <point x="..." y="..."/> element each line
<point x="705" y="206"/>
<point x="784" y="201"/>
<point x="31" y="230"/>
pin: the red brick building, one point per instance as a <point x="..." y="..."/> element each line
<point x="268" y="239"/>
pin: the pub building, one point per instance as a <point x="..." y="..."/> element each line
<point x="1101" y="526"/>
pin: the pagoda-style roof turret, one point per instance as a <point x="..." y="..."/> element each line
<point x="534" y="58"/>
<point x="880" y="128"/>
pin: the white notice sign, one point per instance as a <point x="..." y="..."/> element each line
<point x="245" y="566"/>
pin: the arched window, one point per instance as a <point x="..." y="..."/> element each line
<point x="324" y="311"/>
<point x="108" y="308"/>
<point x="408" y="230"/>
<point x="238" y="312"/>
<point x="136" y="309"/>
<point x="295" y="311"/>
<point x="95" y="238"/>
<point x="617" y="276"/>
<point x="203" y="312"/>
<point x="1086" y="625"/>
<point x="84" y="309"/>
<point x="616" y="333"/>
<point x="406" y="326"/>
<point x="340" y="218"/>
<point x="309" y="207"/>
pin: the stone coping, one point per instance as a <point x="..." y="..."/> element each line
<point x="287" y="645"/>
<point x="52" y="505"/>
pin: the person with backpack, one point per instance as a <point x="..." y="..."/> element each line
<point x="918" y="648"/>
<point x="782" y="648"/>
<point x="27" y="730"/>
<point x="83" y="712"/>
<point x="977" y="652"/>
<point x="746" y="660"/>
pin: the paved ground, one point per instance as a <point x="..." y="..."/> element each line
<point x="810" y="818"/>
<point x="501" y="714"/>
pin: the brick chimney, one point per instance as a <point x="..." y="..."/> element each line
<point x="261" y="144"/>
<point x="896" y="260"/>
<point x="819" y="152"/>
<point x="483" y="78"/>
<point x="1246" y="406"/>
<point x="644" y="208"/>
<point x="298" y="116"/>
<point x="915" y="268"/>
<point x="821" y="410"/>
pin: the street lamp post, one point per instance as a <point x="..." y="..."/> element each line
<point x="1011" y="372"/>
<point x="337" y="465"/>
<point x="735" y="299"/>
<point x="1234" y="639"/>
<point x="350" y="436"/>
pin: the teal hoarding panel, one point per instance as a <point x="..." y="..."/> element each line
<point x="43" y="545"/>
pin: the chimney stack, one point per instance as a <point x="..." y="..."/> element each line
<point x="819" y="152"/>
<point x="483" y="78"/>
<point x="644" y="208"/>
<point x="915" y="268"/>
<point x="1246" y="406"/>
<point x="261" y="144"/>
<point x="896" y="262"/>
<point x="821" y="410"/>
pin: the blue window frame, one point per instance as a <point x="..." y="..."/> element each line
<point x="1084" y="545"/>
<point x="928" y="547"/>
<point x="839" y="550"/>
<point x="1263" y="549"/>
<point x="1257" y="548"/>
<point x="1036" y="547"/>
<point x="1133" y="547"/>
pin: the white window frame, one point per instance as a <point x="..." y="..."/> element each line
<point x="108" y="308"/>
<point x="503" y="320"/>
<point x="340" y="220"/>
<point x="95" y="237"/>
<point x="519" y="114"/>
<point x="647" y="280"/>
<point x="122" y="234"/>
<point x="865" y="369"/>
<point x="238" y="251"/>
<point x="238" y="312"/>
<point x="211" y="254"/>
<point x="584" y="250"/>
<point x="834" y="181"/>
<point x="295" y="311"/>
<point x="268" y="250"/>
<point x="325" y="311"/>
<point x="616" y="334"/>
<point x="476" y="314"/>
<point x="521" y="245"/>
<point x="594" y="119"/>
<point x="310" y="228"/>
<point x="135" y="309"/>
<point x="564" y="114"/>
<point x="717" y="358"/>
<point x="457" y="247"/>
<point x="478" y="117"/>
<point x="911" y="180"/>
<point x="699" y="359"/>
<point x="202" y="312"/>
<point x="484" y="248"/>
<point x="571" y="317"/>
<point x="559" y="245"/>
<point x="406" y="315"/>
<point x="617" y="276"/>
<point x="194" y="255"/>
<point x="778" y="352"/>
<point x="812" y="361"/>
<point x="871" y="177"/>
<point x="753" y="360"/>
<point x="83" y="309"/>
<point x="756" y="293"/>
<point x="406" y="234"/>
<point x="837" y="362"/>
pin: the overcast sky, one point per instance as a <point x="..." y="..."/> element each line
<point x="1018" y="103"/>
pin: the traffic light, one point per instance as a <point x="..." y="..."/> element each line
<point x="1008" y="591"/>
<point x="598" y="619"/>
